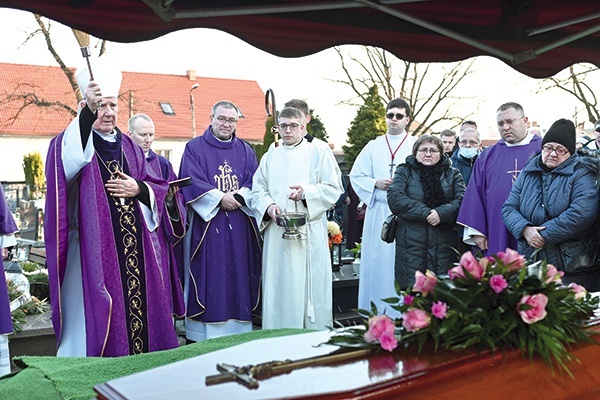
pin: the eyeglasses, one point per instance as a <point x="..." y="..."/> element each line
<point x="284" y="127"/>
<point x="425" y="151"/>
<point x="223" y="120"/>
<point x="560" y="151"/>
<point x="470" y="142"/>
<point x="508" y="121"/>
<point x="392" y="115"/>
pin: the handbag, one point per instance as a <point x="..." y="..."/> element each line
<point x="575" y="256"/>
<point x="388" y="230"/>
<point x="361" y="211"/>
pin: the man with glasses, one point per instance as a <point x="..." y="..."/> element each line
<point x="222" y="257"/>
<point x="300" y="177"/>
<point x="493" y="175"/>
<point x="469" y="147"/>
<point x="371" y="177"/>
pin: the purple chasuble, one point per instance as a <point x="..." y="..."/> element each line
<point x="105" y="298"/>
<point x="225" y="265"/>
<point x="494" y="173"/>
<point x="170" y="236"/>
<point x="7" y="227"/>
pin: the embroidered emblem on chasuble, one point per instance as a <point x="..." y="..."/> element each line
<point x="124" y="216"/>
<point x="515" y="172"/>
<point x="226" y="181"/>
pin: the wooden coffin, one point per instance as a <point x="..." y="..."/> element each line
<point x="399" y="375"/>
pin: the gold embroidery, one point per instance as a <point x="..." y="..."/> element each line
<point x="227" y="181"/>
<point x="134" y="298"/>
<point x="134" y="294"/>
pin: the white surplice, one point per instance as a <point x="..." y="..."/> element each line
<point x="297" y="276"/>
<point x="374" y="162"/>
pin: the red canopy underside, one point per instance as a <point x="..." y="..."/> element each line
<point x="413" y="31"/>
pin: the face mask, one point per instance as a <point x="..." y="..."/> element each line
<point x="468" y="152"/>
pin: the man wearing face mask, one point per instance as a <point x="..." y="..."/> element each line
<point x="463" y="159"/>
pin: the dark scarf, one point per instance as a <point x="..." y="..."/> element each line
<point x="431" y="182"/>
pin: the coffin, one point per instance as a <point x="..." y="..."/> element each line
<point x="402" y="374"/>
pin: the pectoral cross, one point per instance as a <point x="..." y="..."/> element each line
<point x="515" y="172"/>
<point x="392" y="169"/>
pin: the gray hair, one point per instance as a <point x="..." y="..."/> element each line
<point x="225" y="104"/>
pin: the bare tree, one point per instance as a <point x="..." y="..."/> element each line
<point x="576" y="81"/>
<point x="27" y="95"/>
<point x="429" y="88"/>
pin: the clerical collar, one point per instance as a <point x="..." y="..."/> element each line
<point x="110" y="137"/>
<point x="221" y="140"/>
<point x="523" y="142"/>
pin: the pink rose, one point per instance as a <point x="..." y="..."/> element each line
<point x="415" y="319"/>
<point x="388" y="341"/>
<point x="379" y="326"/>
<point x="498" y="283"/>
<point x="408" y="299"/>
<point x="425" y="283"/>
<point x="438" y="309"/>
<point x="535" y="308"/>
<point x="469" y="263"/>
<point x="553" y="274"/>
<point x="512" y="259"/>
<point x="579" y="290"/>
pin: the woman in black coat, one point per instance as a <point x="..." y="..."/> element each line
<point x="425" y="195"/>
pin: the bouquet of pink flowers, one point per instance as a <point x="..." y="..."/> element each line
<point x="488" y="302"/>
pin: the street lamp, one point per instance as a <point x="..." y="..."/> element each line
<point x="194" y="86"/>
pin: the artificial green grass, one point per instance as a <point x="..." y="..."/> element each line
<point x="74" y="378"/>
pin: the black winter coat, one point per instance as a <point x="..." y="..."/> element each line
<point x="420" y="246"/>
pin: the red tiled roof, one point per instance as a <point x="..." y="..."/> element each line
<point x="143" y="90"/>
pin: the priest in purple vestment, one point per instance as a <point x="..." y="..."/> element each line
<point x="493" y="175"/>
<point x="141" y="129"/>
<point x="222" y="256"/>
<point x="103" y="208"/>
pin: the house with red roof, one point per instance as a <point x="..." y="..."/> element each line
<point x="38" y="102"/>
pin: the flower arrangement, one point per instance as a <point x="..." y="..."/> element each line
<point x="487" y="302"/>
<point x="334" y="233"/>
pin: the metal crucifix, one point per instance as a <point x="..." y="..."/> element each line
<point x="250" y="375"/>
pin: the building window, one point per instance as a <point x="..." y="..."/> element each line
<point x="165" y="153"/>
<point x="167" y="109"/>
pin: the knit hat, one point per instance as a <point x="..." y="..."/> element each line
<point x="562" y="132"/>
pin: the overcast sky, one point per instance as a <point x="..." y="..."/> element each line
<point x="217" y="54"/>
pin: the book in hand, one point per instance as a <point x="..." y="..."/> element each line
<point x="181" y="182"/>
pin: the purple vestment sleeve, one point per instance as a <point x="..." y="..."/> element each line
<point x="7" y="227"/>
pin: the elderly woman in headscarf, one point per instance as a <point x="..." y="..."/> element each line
<point x="425" y="195"/>
<point x="552" y="208"/>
